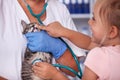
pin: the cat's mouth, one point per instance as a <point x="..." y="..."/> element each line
<point x="31" y="27"/>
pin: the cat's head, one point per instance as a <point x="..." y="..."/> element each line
<point x="31" y="27"/>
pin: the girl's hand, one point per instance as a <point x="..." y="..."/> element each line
<point x="54" y="29"/>
<point x="45" y="70"/>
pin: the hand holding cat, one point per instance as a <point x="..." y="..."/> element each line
<point x="42" y="42"/>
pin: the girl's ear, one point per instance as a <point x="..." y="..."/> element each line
<point x="113" y="32"/>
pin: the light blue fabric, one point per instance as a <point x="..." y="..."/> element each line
<point x="42" y="42"/>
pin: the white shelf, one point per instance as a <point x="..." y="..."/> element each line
<point x="80" y="16"/>
<point x="84" y="16"/>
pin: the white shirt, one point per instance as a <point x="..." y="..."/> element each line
<point x="12" y="41"/>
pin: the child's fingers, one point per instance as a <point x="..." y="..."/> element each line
<point x="42" y="27"/>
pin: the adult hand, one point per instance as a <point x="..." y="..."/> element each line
<point x="42" y="42"/>
<point x="54" y="29"/>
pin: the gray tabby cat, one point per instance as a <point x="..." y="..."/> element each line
<point x="30" y="58"/>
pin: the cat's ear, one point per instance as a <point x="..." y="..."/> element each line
<point x="24" y="24"/>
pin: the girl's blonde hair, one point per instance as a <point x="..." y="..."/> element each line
<point x="109" y="12"/>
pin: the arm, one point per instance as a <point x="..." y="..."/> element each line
<point x="1" y="78"/>
<point x="55" y="29"/>
<point x="89" y="75"/>
<point x="79" y="39"/>
<point x="68" y="60"/>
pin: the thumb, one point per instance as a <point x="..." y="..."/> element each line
<point x="42" y="28"/>
<point x="38" y="64"/>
